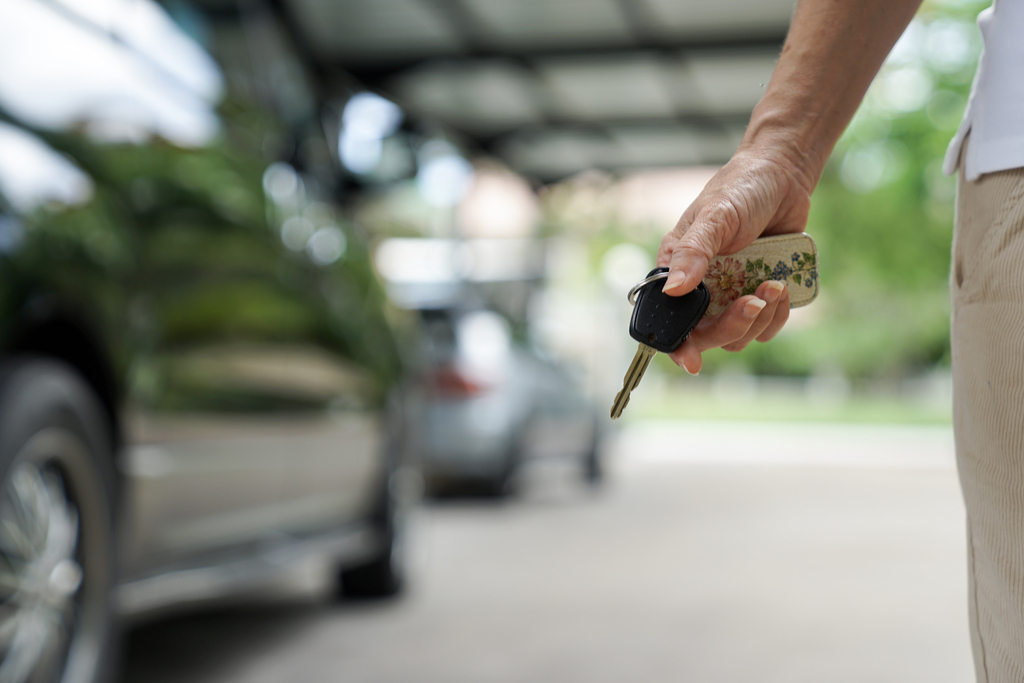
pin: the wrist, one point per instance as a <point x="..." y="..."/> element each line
<point x="793" y="140"/>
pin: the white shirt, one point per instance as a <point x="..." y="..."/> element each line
<point x="995" y="110"/>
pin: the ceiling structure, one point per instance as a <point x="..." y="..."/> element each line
<point x="553" y="87"/>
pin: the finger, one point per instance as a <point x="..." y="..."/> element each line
<point x="698" y="245"/>
<point x="725" y="328"/>
<point x="671" y="239"/>
<point x="778" y="320"/>
<point x="730" y="325"/>
<point x="668" y="243"/>
<point x="688" y="357"/>
<point x="771" y="292"/>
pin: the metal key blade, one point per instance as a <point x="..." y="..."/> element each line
<point x="636" y="371"/>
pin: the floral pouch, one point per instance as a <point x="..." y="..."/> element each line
<point x="792" y="259"/>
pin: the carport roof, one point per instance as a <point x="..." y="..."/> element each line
<point x="556" y="86"/>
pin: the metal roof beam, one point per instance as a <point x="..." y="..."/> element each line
<point x="377" y="73"/>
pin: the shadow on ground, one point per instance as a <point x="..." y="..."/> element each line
<point x="224" y="642"/>
<point x="203" y="645"/>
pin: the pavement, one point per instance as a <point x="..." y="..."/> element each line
<point x="715" y="552"/>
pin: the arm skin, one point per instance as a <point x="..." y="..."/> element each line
<point x="832" y="53"/>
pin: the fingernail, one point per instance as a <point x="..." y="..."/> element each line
<point x="753" y="307"/>
<point x="675" y="278"/>
<point x="772" y="291"/>
<point x="682" y="364"/>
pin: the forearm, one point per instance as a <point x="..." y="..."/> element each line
<point x="832" y="53"/>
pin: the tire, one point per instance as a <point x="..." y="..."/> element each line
<point x="507" y="483"/>
<point x="57" y="559"/>
<point x="593" y="463"/>
<point x="383" y="575"/>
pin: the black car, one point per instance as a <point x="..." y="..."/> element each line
<point x="196" y="371"/>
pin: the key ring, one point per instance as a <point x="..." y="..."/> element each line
<point x="631" y="297"/>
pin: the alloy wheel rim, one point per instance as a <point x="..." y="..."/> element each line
<point x="40" y="574"/>
<point x="56" y="561"/>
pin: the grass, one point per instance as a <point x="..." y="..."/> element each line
<point x="793" y="402"/>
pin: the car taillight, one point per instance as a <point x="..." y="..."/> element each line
<point x="450" y="381"/>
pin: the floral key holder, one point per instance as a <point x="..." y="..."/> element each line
<point x="791" y="259"/>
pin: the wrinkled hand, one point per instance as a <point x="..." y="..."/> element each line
<point x="753" y="195"/>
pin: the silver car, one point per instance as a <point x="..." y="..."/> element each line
<point x="482" y="405"/>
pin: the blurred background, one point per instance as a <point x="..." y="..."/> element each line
<point x="315" y="260"/>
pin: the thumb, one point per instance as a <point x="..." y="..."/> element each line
<point x="692" y="254"/>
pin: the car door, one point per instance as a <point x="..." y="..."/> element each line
<point x="207" y="480"/>
<point x="259" y="374"/>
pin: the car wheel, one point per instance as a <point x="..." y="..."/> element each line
<point x="508" y="482"/>
<point x="383" y="574"/>
<point x="504" y="484"/>
<point x="593" y="463"/>
<point x="56" y="527"/>
<point x="381" y="577"/>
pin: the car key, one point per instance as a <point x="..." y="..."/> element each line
<point x="660" y="323"/>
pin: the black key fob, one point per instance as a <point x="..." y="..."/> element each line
<point x="662" y="321"/>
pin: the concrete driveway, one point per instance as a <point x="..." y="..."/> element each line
<point x="716" y="552"/>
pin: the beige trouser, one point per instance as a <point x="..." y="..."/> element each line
<point x="987" y="284"/>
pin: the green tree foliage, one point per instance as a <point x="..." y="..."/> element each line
<point x="882" y="216"/>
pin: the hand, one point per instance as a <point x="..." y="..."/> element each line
<point x="757" y="316"/>
<point x="754" y="194"/>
